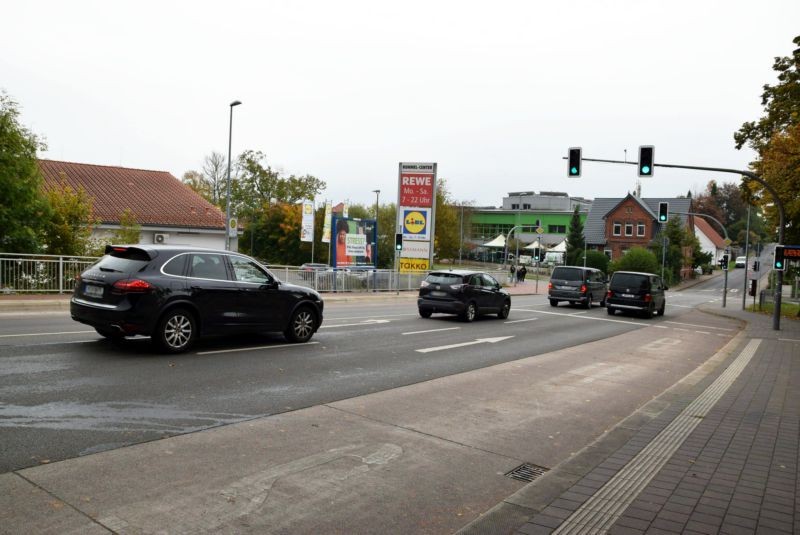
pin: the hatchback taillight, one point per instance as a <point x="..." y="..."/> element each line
<point x="132" y="286"/>
<point x="549" y="285"/>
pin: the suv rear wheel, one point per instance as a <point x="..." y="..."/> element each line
<point x="470" y="312"/>
<point x="176" y="331"/>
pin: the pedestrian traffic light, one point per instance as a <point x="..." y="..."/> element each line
<point x="574" y="169"/>
<point x="663" y="212"/>
<point x="646" y="160"/>
<point x="780" y="261"/>
<point x="723" y="262"/>
<point x="398" y="242"/>
<point x="756" y="265"/>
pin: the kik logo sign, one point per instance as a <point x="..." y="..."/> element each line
<point x="414" y="222"/>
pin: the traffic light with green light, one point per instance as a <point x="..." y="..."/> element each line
<point x="574" y="169"/>
<point x="398" y="242"/>
<point x="646" y="160"/>
<point x="663" y="212"/>
<point x="780" y="260"/>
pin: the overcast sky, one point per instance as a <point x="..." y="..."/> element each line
<point x="494" y="92"/>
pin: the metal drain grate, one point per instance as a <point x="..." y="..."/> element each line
<point x="526" y="472"/>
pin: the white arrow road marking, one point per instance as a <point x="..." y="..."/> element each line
<point x="368" y="322"/>
<point x="432" y="330"/>
<point x="463" y="344"/>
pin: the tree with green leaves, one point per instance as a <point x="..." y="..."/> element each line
<point x="594" y="259"/>
<point x="636" y="259"/>
<point x="776" y="139"/>
<point x="575" y="240"/>
<point x="23" y="206"/>
<point x="67" y="229"/>
<point x="448" y="231"/>
<point x="681" y="244"/>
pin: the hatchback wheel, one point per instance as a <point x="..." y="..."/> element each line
<point x="470" y="312"/>
<point x="610" y="311"/>
<point x="301" y="326"/>
<point x="176" y="331"/>
<point x="425" y="313"/>
<point x="504" y="310"/>
<point x="554" y="302"/>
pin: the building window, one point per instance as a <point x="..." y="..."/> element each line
<point x="628" y="210"/>
<point x="629" y="229"/>
<point x="515" y="206"/>
<point x="617" y="228"/>
<point x="526" y="206"/>
<point x="557" y="229"/>
<point x="640" y="229"/>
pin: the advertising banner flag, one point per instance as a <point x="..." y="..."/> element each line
<point x="307" y="223"/>
<point x="326" y="225"/>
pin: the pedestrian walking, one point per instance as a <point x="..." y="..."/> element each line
<point x="522" y="272"/>
<point x="512" y="273"/>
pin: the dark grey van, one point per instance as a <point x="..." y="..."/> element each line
<point x="630" y="291"/>
<point x="578" y="285"/>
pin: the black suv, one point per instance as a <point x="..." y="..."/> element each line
<point x="466" y="293"/>
<point x="175" y="294"/>
<point x="636" y="292"/>
<point x="578" y="285"/>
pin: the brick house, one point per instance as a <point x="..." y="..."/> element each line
<point x="615" y="225"/>
<point x="167" y="210"/>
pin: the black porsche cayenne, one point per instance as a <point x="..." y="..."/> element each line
<point x="174" y="294"/>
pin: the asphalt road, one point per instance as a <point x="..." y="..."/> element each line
<point x="66" y="392"/>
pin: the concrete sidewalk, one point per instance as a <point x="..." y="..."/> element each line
<point x="722" y="458"/>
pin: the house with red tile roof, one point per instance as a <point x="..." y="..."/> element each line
<point x="710" y="240"/>
<point x="167" y="210"/>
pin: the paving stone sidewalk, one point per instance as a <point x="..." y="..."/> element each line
<point x="734" y="470"/>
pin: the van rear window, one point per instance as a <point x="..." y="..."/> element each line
<point x="641" y="282"/>
<point x="568" y="274"/>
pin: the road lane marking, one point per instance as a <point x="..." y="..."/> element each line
<point x="464" y="344"/>
<point x="703" y="326"/>
<point x="361" y="324"/>
<point x="433" y="330"/>
<point x="520" y="321"/>
<point x="788" y="340"/>
<point x="44" y="334"/>
<point x="702" y="332"/>
<point x="329" y="317"/>
<point x="591" y="318"/>
<point x="254" y="348"/>
<point x="680" y="306"/>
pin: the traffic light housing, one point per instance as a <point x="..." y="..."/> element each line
<point x="779" y="264"/>
<point x="646" y="160"/>
<point x="723" y="262"/>
<point x="663" y="212"/>
<point x="574" y="168"/>
<point x="756" y="265"/>
<point x="398" y="242"/>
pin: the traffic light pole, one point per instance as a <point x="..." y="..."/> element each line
<point x="776" y="313"/>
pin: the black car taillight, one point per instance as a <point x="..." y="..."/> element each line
<point x="136" y="286"/>
<point x="648" y="298"/>
<point x="583" y="288"/>
<point x="609" y="294"/>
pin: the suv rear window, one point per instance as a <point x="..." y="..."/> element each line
<point x="444" y="278"/>
<point x="122" y="262"/>
<point x="628" y="280"/>
<point x="567" y="274"/>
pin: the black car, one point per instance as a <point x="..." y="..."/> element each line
<point x="631" y="291"/>
<point x="578" y="285"/>
<point x="175" y="294"/>
<point x="466" y="293"/>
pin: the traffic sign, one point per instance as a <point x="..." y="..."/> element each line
<point x="727" y="242"/>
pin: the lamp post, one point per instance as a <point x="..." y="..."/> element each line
<point x="377" y="193"/>
<point x="228" y="186"/>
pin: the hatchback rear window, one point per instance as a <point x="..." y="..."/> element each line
<point x="630" y="281"/>
<point x="568" y="274"/>
<point x="444" y="278"/>
<point x="115" y="264"/>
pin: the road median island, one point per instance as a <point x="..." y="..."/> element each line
<point x="428" y="457"/>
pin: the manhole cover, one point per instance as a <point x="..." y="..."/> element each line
<point x="526" y="472"/>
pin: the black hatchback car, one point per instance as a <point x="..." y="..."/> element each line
<point x="466" y="293"/>
<point x="632" y="291"/>
<point x="175" y="294"/>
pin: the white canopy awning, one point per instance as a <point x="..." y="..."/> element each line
<point x="560" y="248"/>
<point x="534" y="245"/>
<point x="499" y="241"/>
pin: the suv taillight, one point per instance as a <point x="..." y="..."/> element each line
<point x="609" y="294"/>
<point x="549" y="285"/>
<point x="132" y="286"/>
<point x="648" y="298"/>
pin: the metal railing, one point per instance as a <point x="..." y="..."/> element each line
<point x="21" y="273"/>
<point x="346" y="280"/>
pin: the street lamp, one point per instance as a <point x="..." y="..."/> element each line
<point x="377" y="193"/>
<point x="228" y="187"/>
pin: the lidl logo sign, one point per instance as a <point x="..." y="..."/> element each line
<point x="414" y="222"/>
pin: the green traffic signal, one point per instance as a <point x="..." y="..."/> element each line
<point x="645" y="169"/>
<point x="574" y="170"/>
